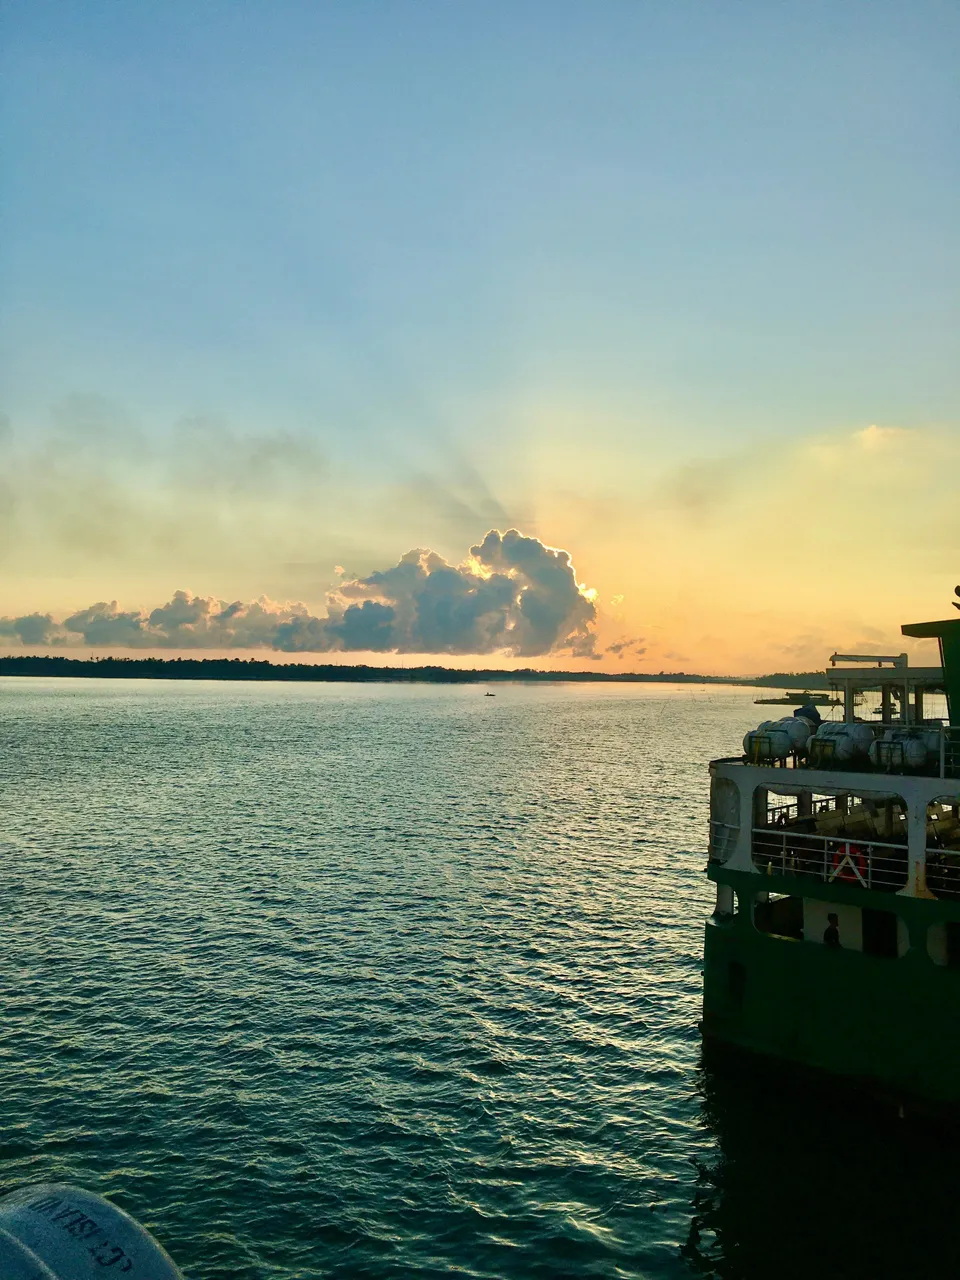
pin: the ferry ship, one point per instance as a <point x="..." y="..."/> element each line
<point x="835" y="850"/>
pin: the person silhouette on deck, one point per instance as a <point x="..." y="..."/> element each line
<point x="831" y="934"/>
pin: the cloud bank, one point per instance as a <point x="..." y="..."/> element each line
<point x="512" y="594"/>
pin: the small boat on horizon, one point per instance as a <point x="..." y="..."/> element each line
<point x="806" y="698"/>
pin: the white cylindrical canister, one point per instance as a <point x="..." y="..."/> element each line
<point x="776" y="739"/>
<point x="797" y="729"/>
<point x="906" y="747"/>
<point x="56" y="1232"/>
<point x="769" y="742"/>
<point x="849" y="740"/>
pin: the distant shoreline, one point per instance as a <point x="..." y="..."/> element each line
<point x="255" y="669"/>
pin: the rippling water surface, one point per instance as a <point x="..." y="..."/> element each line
<point x="378" y="981"/>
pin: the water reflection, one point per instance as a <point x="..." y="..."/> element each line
<point x="812" y="1179"/>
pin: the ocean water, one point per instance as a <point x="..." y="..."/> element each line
<point x="404" y="982"/>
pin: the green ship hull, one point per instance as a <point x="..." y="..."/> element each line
<point x="892" y="1024"/>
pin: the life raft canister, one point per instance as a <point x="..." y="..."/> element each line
<point x="57" y="1232"/>
<point x="849" y="865"/>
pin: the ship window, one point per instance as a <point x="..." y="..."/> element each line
<point x="725" y="906"/>
<point x="880" y="933"/>
<point x="943" y="943"/>
<point x="779" y="915"/>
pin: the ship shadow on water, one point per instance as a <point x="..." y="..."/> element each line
<point x="813" y="1178"/>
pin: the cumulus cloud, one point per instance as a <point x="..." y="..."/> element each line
<point x="512" y="594"/>
<point x="31" y="628"/>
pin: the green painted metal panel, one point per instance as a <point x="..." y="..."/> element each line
<point x="890" y="1023"/>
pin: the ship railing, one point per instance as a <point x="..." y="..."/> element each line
<point x="865" y="864"/>
<point x="950" y="752"/>
<point x="943" y="873"/>
<point x="723" y="839"/>
<point x="943" y="870"/>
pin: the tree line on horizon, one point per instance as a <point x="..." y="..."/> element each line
<point x="262" y="669"/>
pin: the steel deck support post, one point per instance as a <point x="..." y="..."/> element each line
<point x="916" y="886"/>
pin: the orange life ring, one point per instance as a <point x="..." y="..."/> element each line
<point x="849" y="865"/>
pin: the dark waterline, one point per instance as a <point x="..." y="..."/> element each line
<point x="367" y="981"/>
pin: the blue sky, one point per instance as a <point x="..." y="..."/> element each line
<point x="508" y="251"/>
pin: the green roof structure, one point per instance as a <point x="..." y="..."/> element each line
<point x="947" y="632"/>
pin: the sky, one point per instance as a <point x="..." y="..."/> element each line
<point x="557" y="333"/>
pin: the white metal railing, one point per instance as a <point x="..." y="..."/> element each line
<point x="723" y="839"/>
<point x="949" y="752"/>
<point x="943" y="871"/>
<point x="867" y="864"/>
